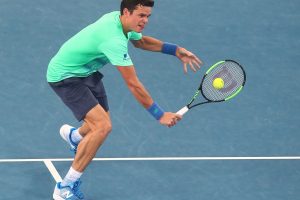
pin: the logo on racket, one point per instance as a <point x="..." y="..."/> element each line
<point x="229" y="81"/>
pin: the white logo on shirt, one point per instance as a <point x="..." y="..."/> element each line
<point x="126" y="57"/>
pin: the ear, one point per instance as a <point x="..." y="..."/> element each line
<point x="126" y="12"/>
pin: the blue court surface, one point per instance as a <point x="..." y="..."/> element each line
<point x="247" y="148"/>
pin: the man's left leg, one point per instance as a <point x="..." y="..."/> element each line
<point x="99" y="124"/>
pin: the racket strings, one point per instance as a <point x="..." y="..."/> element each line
<point x="233" y="77"/>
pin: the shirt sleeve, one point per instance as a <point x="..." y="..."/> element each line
<point x="135" y="36"/>
<point x="116" y="52"/>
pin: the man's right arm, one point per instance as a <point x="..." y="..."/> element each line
<point x="135" y="86"/>
<point x="142" y="95"/>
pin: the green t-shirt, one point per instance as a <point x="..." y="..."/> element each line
<point x="89" y="50"/>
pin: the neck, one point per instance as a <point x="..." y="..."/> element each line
<point x="124" y="25"/>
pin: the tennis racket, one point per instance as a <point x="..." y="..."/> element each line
<point x="233" y="78"/>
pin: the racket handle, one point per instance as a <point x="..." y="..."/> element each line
<point x="183" y="110"/>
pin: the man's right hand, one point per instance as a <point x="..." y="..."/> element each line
<point x="170" y="119"/>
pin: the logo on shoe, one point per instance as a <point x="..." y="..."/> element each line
<point x="67" y="194"/>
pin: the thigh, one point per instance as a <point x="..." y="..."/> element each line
<point x="76" y="95"/>
<point x="95" y="84"/>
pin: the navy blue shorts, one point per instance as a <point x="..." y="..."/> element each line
<point x="81" y="94"/>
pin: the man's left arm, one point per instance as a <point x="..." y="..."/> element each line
<point x="148" y="43"/>
<point x="153" y="44"/>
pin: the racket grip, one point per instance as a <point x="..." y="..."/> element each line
<point x="183" y="110"/>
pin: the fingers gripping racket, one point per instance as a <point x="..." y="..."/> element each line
<point x="222" y="81"/>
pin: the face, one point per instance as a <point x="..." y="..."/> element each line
<point x="137" y="20"/>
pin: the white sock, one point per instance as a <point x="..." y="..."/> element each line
<point x="76" y="137"/>
<point x="71" y="177"/>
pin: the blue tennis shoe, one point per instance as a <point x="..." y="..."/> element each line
<point x="66" y="132"/>
<point x="69" y="192"/>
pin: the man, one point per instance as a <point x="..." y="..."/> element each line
<point x="73" y="74"/>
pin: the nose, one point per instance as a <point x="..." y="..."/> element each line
<point x="145" y="20"/>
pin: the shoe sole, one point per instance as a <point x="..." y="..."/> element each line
<point x="65" y="128"/>
<point x="55" y="197"/>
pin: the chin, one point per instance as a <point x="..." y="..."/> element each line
<point x="139" y="29"/>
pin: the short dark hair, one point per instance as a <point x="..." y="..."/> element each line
<point x="131" y="4"/>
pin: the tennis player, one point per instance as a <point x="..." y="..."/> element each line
<point x="73" y="73"/>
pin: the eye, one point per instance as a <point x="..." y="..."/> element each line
<point x="144" y="15"/>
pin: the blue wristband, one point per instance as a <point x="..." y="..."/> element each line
<point x="169" y="48"/>
<point x="155" y="111"/>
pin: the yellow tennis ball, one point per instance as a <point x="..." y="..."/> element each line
<point x="218" y="83"/>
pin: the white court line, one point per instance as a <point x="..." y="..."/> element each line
<point x="52" y="170"/>
<point x="159" y="159"/>
<point x="57" y="177"/>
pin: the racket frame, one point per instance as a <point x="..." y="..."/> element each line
<point x="183" y="110"/>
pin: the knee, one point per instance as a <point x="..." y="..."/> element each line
<point x="107" y="127"/>
<point x="103" y="128"/>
